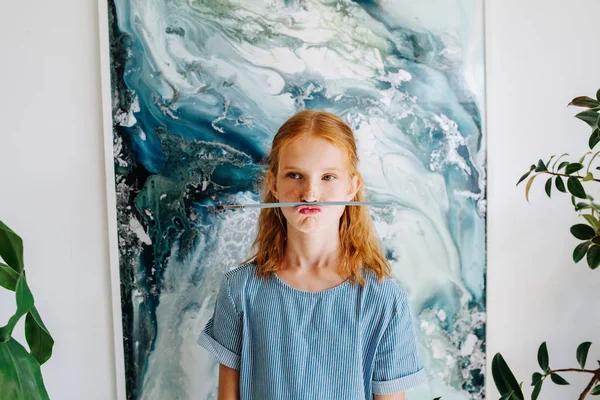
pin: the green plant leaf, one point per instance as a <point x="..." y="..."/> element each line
<point x="11" y="248"/>
<point x="526" y="175"/>
<point x="556" y="161"/>
<point x="593" y="256"/>
<point x="589" y="117"/>
<point x="8" y="277"/>
<point x="575" y="187"/>
<point x="507" y="396"/>
<point x="541" y="166"/>
<point x="584" y="101"/>
<point x="582" y="353"/>
<point x="595" y="391"/>
<point x="528" y="186"/>
<point x="20" y="375"/>
<point x="594" y="138"/>
<point x="580" y="250"/>
<point x="581" y="206"/>
<point x="583" y="231"/>
<point x="593" y="221"/>
<point x="573" y="167"/>
<point x="38" y="338"/>
<point x="583" y="157"/>
<point x="563" y="164"/>
<point x="543" y="357"/>
<point x="560" y="185"/>
<point x="536" y="390"/>
<point x="24" y="305"/>
<point x="559" y="380"/>
<point x="588" y="177"/>
<point x="504" y="379"/>
<point x="535" y="378"/>
<point x="548" y="187"/>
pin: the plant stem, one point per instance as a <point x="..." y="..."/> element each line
<point x="569" y="176"/>
<point x="575" y="370"/>
<point x="590" y="385"/>
<point x="595" y="378"/>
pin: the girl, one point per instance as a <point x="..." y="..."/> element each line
<point x="313" y="314"/>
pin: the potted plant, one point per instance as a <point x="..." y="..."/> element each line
<point x="576" y="174"/>
<point x="20" y="374"/>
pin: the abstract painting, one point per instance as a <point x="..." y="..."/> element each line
<point x="196" y="91"/>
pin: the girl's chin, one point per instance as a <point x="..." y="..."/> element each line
<point x="311" y="224"/>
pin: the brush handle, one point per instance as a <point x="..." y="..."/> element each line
<point x="294" y="204"/>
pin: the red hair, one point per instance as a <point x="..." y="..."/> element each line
<point x="360" y="245"/>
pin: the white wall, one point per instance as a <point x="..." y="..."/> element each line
<point x="52" y="189"/>
<point x="540" y="54"/>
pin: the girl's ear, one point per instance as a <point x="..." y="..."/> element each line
<point x="272" y="183"/>
<point x="355" y="184"/>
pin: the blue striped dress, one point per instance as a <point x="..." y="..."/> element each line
<point x="345" y="342"/>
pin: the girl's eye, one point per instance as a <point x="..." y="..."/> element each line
<point x="295" y="175"/>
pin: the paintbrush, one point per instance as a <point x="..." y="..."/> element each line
<point x="301" y="203"/>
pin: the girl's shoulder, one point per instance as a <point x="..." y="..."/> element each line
<point x="241" y="275"/>
<point x="386" y="291"/>
<point x="237" y="282"/>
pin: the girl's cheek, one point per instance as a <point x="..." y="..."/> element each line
<point x="290" y="194"/>
<point x="333" y="191"/>
<point x="285" y="190"/>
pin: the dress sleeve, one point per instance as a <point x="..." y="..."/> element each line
<point x="398" y="367"/>
<point x="222" y="335"/>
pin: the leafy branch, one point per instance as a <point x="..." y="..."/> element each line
<point x="588" y="232"/>
<point x="20" y="374"/>
<point x="507" y="384"/>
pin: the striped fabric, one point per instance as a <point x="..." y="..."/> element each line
<point x="346" y="342"/>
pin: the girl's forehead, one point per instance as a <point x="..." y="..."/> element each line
<point x="314" y="153"/>
<point x="340" y="165"/>
<point x="311" y="144"/>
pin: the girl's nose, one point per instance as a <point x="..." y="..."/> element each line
<point x="309" y="193"/>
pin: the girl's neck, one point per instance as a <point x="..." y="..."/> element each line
<point x="315" y="250"/>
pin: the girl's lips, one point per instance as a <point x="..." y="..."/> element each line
<point x="309" y="210"/>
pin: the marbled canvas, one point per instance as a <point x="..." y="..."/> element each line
<point x="199" y="88"/>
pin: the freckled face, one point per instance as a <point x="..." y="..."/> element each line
<point x="313" y="169"/>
